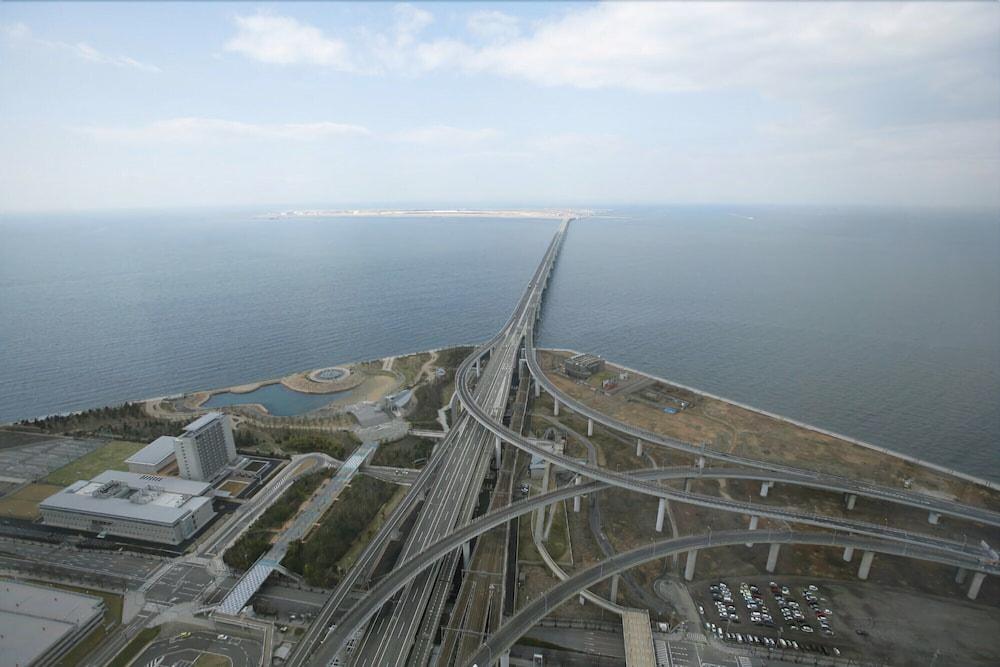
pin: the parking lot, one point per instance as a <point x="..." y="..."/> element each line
<point x="871" y="622"/>
<point x="770" y="615"/>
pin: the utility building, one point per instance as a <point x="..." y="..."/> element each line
<point x="141" y="507"/>
<point x="206" y="447"/>
<point x="582" y="366"/>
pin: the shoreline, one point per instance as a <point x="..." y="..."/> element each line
<point x="937" y="467"/>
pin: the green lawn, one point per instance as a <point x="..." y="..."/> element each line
<point x="108" y="457"/>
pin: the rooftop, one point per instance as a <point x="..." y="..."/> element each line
<point x="155" y="452"/>
<point x="34" y="618"/>
<point x="202" y="422"/>
<point x="126" y="495"/>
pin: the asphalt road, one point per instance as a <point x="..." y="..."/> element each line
<point x="177" y="652"/>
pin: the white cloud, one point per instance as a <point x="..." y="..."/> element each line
<point x="285" y="41"/>
<point x="444" y="135"/>
<point x="679" y="47"/>
<point x="203" y="129"/>
<point x="494" y="26"/>
<point x="20" y="33"/>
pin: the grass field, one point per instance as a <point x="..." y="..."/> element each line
<point x="24" y="503"/>
<point x="109" y="457"/>
<point x="212" y="660"/>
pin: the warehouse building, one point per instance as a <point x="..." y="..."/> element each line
<point x="206" y="448"/>
<point x="138" y="506"/>
<point x="154" y="457"/>
<point x="39" y="625"/>
<point x="582" y="366"/>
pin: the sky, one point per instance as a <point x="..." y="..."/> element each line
<point x="119" y="105"/>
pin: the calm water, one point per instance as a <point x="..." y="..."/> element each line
<point x="881" y="324"/>
<point x="277" y="399"/>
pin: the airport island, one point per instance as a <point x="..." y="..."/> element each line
<point x="494" y="503"/>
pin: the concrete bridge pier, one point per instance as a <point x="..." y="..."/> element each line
<point x="496" y="451"/>
<point x="848" y="554"/>
<point x="977" y="582"/>
<point x="850" y="500"/>
<point x="614" y="589"/>
<point x="866" y="564"/>
<point x="477" y="368"/>
<point x="661" y="510"/>
<point x="555" y="406"/>
<point x="582" y="600"/>
<point x="764" y="488"/>
<point x="687" y="485"/>
<point x="505" y="659"/>
<point x="960" y="575"/>
<point x="701" y="461"/>
<point x="590" y="427"/>
<point x="638" y="446"/>
<point x="772" y="557"/>
<point x="689" y="565"/>
<point x="538" y="389"/>
<point x="466" y="555"/>
<point x="576" y="498"/>
<point x="753" y="526"/>
<point x="933" y="518"/>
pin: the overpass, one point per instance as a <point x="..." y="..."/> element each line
<point x="502" y="350"/>
<point x="254" y="578"/>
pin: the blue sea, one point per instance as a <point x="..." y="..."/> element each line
<point x="882" y="324"/>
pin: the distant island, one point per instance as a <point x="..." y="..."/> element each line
<point x="553" y="214"/>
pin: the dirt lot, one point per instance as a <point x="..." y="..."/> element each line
<point x="730" y="428"/>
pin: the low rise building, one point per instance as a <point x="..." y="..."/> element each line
<point x="582" y="366"/>
<point x="154" y="457"/>
<point x="138" y="506"/>
<point x="39" y="624"/>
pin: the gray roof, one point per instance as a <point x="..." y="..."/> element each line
<point x="169" y="500"/>
<point x="34" y="618"/>
<point x="202" y="421"/>
<point x="155" y="452"/>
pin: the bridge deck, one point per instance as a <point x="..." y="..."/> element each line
<point x="638" y="638"/>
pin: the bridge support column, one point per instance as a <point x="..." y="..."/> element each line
<point x="866" y="564"/>
<point x="582" y="600"/>
<point x="960" y="575"/>
<point x="496" y="451"/>
<point x="772" y="557"/>
<point x="689" y="565"/>
<point x="848" y="554"/>
<point x="538" y="389"/>
<point x="477" y="368"/>
<point x="933" y="518"/>
<point x="590" y="427"/>
<point x="505" y="659"/>
<point x="977" y="582"/>
<point x="687" y="485"/>
<point x="638" y="447"/>
<point x="850" y="500"/>
<point x="614" y="589"/>
<point x="661" y="510"/>
<point x="753" y="526"/>
<point x="764" y="488"/>
<point x="576" y="499"/>
<point x="466" y="554"/>
<point x="555" y="406"/>
<point x="701" y="461"/>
